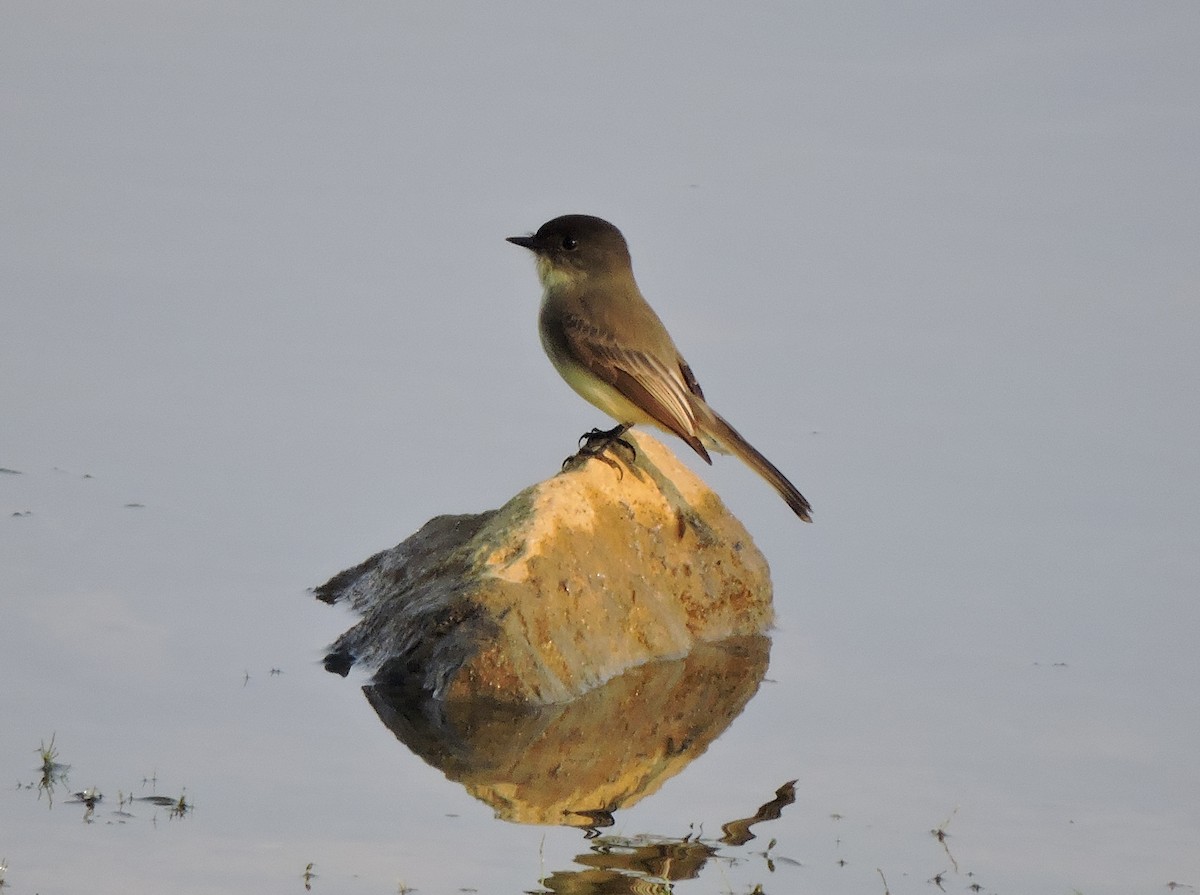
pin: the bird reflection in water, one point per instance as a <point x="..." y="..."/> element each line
<point x="576" y="764"/>
<point x="642" y="865"/>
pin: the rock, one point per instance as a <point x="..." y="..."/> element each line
<point x="576" y="579"/>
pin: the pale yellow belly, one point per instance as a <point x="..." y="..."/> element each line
<point x="600" y="394"/>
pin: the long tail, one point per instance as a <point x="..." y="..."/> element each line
<point x="728" y="440"/>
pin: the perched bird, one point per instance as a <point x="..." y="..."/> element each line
<point x="609" y="345"/>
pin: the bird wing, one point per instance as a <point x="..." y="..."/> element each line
<point x="655" y="385"/>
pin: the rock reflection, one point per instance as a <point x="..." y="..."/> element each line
<point x="576" y="763"/>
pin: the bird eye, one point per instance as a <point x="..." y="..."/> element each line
<point x="569" y="243"/>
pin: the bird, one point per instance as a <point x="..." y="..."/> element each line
<point x="611" y="347"/>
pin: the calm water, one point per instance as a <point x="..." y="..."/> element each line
<point x="258" y="321"/>
<point x="164" y="663"/>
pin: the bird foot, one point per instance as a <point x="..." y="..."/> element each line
<point x="593" y="444"/>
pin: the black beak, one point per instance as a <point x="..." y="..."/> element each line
<point x="525" y="242"/>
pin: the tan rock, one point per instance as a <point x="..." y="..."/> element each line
<point x="576" y="579"/>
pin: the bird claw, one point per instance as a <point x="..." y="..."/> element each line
<point x="593" y="444"/>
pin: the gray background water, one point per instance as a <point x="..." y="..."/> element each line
<point x="939" y="262"/>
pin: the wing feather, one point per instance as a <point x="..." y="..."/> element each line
<point x="657" y="387"/>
